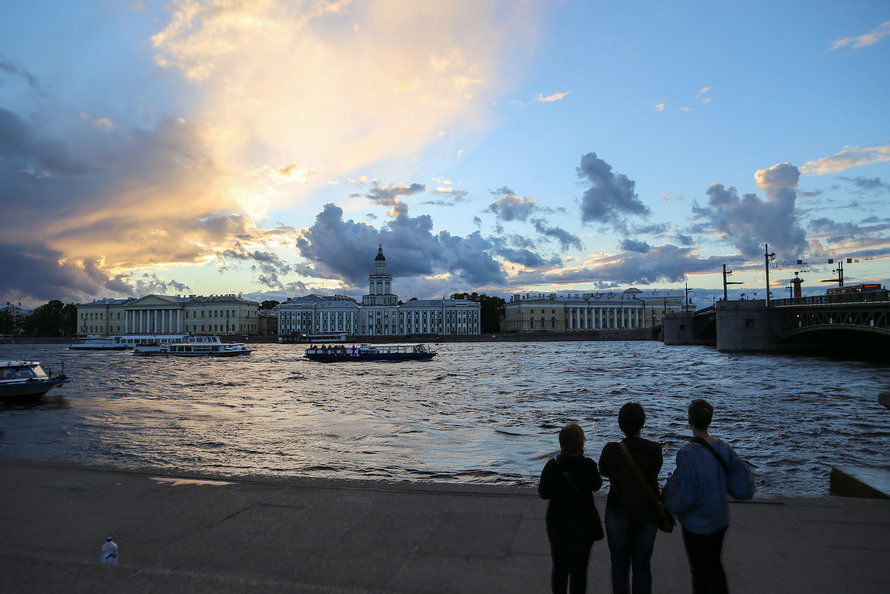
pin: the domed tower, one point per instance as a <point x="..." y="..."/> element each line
<point x="380" y="261"/>
<point x="380" y="283"/>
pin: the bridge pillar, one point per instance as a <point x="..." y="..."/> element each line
<point x="677" y="328"/>
<point x="743" y="326"/>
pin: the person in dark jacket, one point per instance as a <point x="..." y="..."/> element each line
<point x="631" y="510"/>
<point x="707" y="471"/>
<point x="573" y="523"/>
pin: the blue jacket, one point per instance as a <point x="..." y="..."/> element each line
<point x="697" y="491"/>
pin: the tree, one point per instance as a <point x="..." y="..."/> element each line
<point x="269" y="304"/>
<point x="7" y="321"/>
<point x="52" y="319"/>
<point x="491" y="310"/>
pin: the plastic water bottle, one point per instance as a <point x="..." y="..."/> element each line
<point x="109" y="552"/>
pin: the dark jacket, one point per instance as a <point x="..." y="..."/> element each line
<point x="569" y="482"/>
<point x="627" y="495"/>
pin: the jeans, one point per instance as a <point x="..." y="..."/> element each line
<point x="570" y="550"/>
<point x="704" y="552"/>
<point x="630" y="544"/>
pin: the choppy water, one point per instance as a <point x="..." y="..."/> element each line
<point x="476" y="413"/>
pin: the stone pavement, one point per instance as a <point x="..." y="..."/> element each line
<point x="260" y="534"/>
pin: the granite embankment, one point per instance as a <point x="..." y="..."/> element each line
<point x="206" y="534"/>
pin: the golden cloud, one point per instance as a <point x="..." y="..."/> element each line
<point x="301" y="83"/>
<point x="847" y="158"/>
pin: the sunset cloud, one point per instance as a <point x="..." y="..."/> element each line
<point x="550" y="98"/>
<point x="847" y="158"/>
<point x="860" y="41"/>
<point x="295" y="82"/>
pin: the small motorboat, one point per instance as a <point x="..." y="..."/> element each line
<point x="26" y="380"/>
<point x="365" y="352"/>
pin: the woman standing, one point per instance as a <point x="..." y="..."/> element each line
<point x="631" y="509"/>
<point x="573" y="523"/>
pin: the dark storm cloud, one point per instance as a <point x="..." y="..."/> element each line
<point x="683" y="239"/>
<point x="388" y="195"/>
<point x="867" y="183"/>
<point x="29" y="78"/>
<point x="448" y="197"/>
<point x="834" y="231"/>
<point x="566" y="240"/>
<point x="748" y="222"/>
<point x="338" y="248"/>
<point x="630" y="245"/>
<point x="151" y="283"/>
<point x="664" y="263"/>
<point x="519" y="250"/>
<point x="131" y="198"/>
<point x="25" y="145"/>
<point x="610" y="196"/>
<point x="35" y="272"/>
<point x="520" y="241"/>
<point x="653" y="229"/>
<point x="267" y="263"/>
<point x="510" y="207"/>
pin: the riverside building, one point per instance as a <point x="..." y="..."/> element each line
<point x="163" y="314"/>
<point x="379" y="313"/>
<point x="549" y="312"/>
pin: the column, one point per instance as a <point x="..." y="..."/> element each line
<point x="179" y="320"/>
<point x="586" y="325"/>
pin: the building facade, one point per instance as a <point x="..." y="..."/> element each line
<point x="379" y="313"/>
<point x="589" y="311"/>
<point x="163" y="314"/>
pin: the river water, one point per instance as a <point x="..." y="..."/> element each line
<point x="482" y="413"/>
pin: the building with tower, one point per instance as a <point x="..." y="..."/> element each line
<point x="379" y="313"/>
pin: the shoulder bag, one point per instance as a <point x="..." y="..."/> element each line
<point x="665" y="519"/>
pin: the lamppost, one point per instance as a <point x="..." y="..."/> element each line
<point x="726" y="282"/>
<point x="767" y="257"/>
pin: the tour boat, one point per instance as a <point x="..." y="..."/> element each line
<point x="336" y="353"/>
<point x="120" y="343"/>
<point x="20" y="380"/>
<point x="194" y="346"/>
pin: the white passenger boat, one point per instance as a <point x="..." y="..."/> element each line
<point x="194" y="346"/>
<point x="120" y="343"/>
<point x="25" y="380"/>
<point x="365" y="352"/>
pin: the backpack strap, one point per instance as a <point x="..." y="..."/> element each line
<point x="710" y="448"/>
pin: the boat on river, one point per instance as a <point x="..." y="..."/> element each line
<point x="365" y="352"/>
<point x="121" y="343"/>
<point x="194" y="346"/>
<point x="26" y="380"/>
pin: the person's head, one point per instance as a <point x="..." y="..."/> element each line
<point x="700" y="414"/>
<point x="571" y="440"/>
<point x="631" y="418"/>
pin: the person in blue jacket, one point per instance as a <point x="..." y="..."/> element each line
<point x="707" y="471"/>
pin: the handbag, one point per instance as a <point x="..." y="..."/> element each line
<point x="665" y="519"/>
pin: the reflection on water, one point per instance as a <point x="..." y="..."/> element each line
<point x="476" y="413"/>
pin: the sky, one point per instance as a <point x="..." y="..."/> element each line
<point x="267" y="147"/>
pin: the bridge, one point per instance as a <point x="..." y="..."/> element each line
<point x="856" y="324"/>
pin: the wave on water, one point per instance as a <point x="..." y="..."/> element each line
<point x="477" y="413"/>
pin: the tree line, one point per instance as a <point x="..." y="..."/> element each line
<point x="50" y="319"/>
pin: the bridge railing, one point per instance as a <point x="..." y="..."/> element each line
<point x="869" y="297"/>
